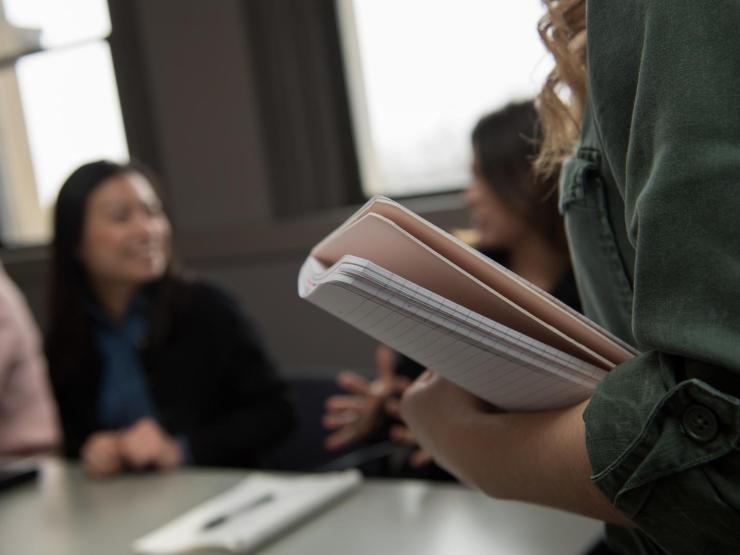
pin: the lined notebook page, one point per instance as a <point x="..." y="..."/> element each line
<point x="493" y="362"/>
<point x="383" y="242"/>
<point x="538" y="305"/>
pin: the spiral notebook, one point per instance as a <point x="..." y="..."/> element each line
<point x="416" y="288"/>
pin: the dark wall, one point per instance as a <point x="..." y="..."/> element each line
<point x="195" y="108"/>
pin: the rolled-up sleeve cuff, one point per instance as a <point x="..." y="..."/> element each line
<point x="642" y="425"/>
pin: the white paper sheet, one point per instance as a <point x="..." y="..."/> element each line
<point x="282" y="501"/>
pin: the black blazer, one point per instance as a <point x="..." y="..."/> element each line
<point x="208" y="375"/>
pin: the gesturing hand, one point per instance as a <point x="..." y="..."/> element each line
<point x="357" y="415"/>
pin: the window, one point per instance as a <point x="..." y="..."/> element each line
<point x="421" y="72"/>
<point x="59" y="106"/>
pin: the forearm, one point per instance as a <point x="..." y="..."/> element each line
<point x="537" y="457"/>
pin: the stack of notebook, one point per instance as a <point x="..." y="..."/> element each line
<point x="421" y="291"/>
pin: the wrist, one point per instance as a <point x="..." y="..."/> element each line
<point x="487" y="466"/>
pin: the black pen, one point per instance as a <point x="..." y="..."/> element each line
<point x="253" y="504"/>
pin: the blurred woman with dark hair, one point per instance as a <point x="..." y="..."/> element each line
<point x="514" y="211"/>
<point x="149" y="369"/>
<point x="516" y="222"/>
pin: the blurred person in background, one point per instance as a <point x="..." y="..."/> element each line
<point x="516" y="223"/>
<point x="150" y="370"/>
<point x="28" y="419"/>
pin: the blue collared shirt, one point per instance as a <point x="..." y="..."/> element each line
<point x="124" y="396"/>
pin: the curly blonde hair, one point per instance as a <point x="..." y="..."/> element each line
<point x="563" y="96"/>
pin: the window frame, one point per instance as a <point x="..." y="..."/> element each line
<point x="25" y="225"/>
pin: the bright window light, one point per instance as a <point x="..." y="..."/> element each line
<point x="422" y="72"/>
<point x="72" y="112"/>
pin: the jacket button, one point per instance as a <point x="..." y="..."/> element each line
<point x="700" y="423"/>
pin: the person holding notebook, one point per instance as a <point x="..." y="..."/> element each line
<point x="649" y="131"/>
<point x="515" y="222"/>
<point x="150" y="369"/>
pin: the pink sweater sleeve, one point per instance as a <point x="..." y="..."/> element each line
<point x="28" y="420"/>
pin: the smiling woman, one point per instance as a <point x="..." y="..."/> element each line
<point x="126" y="240"/>
<point x="149" y="370"/>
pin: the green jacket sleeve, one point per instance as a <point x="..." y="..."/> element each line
<point x="663" y="429"/>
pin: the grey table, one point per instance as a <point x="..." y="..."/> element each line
<point x="67" y="514"/>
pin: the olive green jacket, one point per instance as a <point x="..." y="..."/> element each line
<point x="652" y="209"/>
